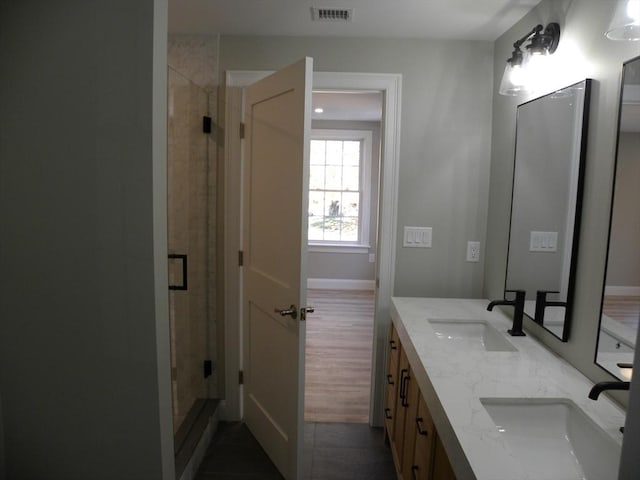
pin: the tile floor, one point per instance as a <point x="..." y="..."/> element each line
<point x="333" y="451"/>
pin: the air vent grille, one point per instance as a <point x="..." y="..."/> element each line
<point x="331" y="14"/>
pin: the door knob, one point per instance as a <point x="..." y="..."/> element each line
<point x="292" y="312"/>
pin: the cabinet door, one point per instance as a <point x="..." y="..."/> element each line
<point x="425" y="444"/>
<point x="410" y="432"/>
<point x="401" y="408"/>
<point x="442" y="469"/>
<point x="390" y="399"/>
<point x="391" y="389"/>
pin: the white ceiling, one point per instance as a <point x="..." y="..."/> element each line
<point x="443" y="19"/>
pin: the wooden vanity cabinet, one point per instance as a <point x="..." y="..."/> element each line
<point x="412" y="400"/>
<point x="417" y="451"/>
<point x="442" y="469"/>
<point x="391" y="389"/>
<point x="401" y="408"/>
<point x="425" y="435"/>
<point x="394" y="411"/>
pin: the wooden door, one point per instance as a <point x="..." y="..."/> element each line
<point x="275" y="182"/>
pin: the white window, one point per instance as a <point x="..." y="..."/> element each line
<point x="339" y="188"/>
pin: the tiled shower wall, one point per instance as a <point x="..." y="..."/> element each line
<point x="192" y="154"/>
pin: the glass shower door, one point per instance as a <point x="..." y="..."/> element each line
<point x="188" y="232"/>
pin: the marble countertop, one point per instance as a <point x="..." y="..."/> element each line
<point x="454" y="381"/>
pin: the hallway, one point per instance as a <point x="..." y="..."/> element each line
<point x="332" y="451"/>
<point x="338" y="356"/>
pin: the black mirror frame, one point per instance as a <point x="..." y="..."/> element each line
<point x="578" y="210"/>
<point x="611" y="206"/>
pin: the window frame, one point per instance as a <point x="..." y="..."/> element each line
<point x="362" y="245"/>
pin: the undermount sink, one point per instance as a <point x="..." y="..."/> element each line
<point x="554" y="438"/>
<point x="471" y="335"/>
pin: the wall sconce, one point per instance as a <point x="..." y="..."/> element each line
<point x="625" y="23"/>
<point x="524" y="69"/>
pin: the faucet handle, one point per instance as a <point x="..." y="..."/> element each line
<point x="520" y="295"/>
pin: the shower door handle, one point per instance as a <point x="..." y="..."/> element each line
<point x="183" y="258"/>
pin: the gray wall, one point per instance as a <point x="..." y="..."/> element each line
<point x="351" y="266"/>
<point x="83" y="303"/>
<point x="623" y="269"/>
<point x="444" y="148"/>
<point x="583" y="52"/>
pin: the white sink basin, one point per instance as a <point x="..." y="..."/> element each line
<point x="554" y="438"/>
<point x="471" y="335"/>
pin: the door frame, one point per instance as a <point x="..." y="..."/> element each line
<point x="231" y="235"/>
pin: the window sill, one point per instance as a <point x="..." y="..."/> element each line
<point x="338" y="248"/>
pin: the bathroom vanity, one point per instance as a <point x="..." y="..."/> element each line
<point x="466" y="401"/>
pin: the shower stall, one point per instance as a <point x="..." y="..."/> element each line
<point x="191" y="181"/>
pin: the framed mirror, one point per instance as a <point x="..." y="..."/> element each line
<point x="621" y="296"/>
<point x="551" y="135"/>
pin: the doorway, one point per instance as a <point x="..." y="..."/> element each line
<point x="343" y="206"/>
<point x="389" y="84"/>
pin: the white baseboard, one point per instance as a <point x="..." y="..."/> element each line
<point x="340" y="284"/>
<point x="621" y="291"/>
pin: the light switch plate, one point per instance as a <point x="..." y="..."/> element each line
<point x="417" y="237"/>
<point x="543" y="242"/>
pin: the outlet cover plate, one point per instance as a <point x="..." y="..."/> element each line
<point x="473" y="251"/>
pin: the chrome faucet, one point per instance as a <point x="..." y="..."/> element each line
<point x="542" y="303"/>
<point x="518" y="313"/>
<point x="598" y="388"/>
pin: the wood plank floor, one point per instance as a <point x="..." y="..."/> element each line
<point x="338" y="356"/>
<point x="625" y="309"/>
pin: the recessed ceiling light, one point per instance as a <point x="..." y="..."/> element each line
<point x="319" y="110"/>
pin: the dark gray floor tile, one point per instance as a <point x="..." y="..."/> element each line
<point x="351" y="464"/>
<point x="331" y="452"/>
<point x="350" y="435"/>
<point x="238" y="476"/>
<point x="309" y="434"/>
<point x="237" y="459"/>
<point x="234" y="433"/>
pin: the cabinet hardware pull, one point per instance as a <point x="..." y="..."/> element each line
<point x="387" y="414"/>
<point x="414" y="470"/>
<point x="404" y="377"/>
<point x="392" y="344"/>
<point x="419" y="421"/>
<point x="405" y="402"/>
<point x="390" y="379"/>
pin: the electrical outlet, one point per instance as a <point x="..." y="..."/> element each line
<point x="372" y="258"/>
<point x="473" y="251"/>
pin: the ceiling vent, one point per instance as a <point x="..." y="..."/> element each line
<point x="331" y="14"/>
